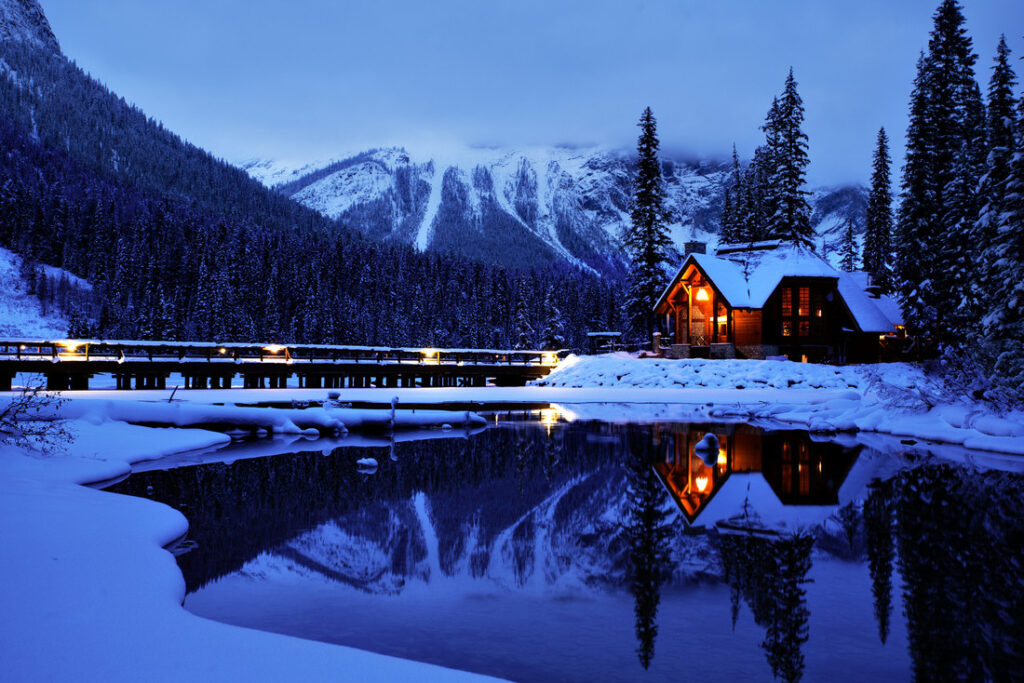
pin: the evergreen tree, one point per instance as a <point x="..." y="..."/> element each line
<point x="936" y="259"/>
<point x="878" y="228"/>
<point x="732" y="211"/>
<point x="1004" y="321"/>
<point x="553" y="337"/>
<point x="789" y="214"/>
<point x="849" y="249"/>
<point x="648" y="242"/>
<point x="523" y="330"/>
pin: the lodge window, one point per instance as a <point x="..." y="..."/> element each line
<point x="805" y="302"/>
<point x="805" y="328"/>
<point x="787" y="302"/>
<point x="787" y="328"/>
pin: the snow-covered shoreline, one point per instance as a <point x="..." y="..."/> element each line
<point x="897" y="399"/>
<point x="90" y="593"/>
<point x="93" y="595"/>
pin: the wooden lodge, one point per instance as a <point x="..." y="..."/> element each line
<point x="772" y="299"/>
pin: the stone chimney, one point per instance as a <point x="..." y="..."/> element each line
<point x="695" y="248"/>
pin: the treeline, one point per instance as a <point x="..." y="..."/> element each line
<point x="959" y="240"/>
<point x="179" y="245"/>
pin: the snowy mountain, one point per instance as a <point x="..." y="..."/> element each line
<point x="23" y="315"/>
<point x="519" y="206"/>
<point x="24" y="20"/>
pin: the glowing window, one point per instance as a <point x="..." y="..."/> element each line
<point x="805" y="301"/>
<point x="787" y="302"/>
<point x="787" y="328"/>
<point x="805" y="328"/>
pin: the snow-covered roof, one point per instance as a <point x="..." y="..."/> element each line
<point x="746" y="278"/>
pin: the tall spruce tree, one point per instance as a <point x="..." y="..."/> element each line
<point x="732" y="211"/>
<point x="648" y="242"/>
<point x="848" y="249"/>
<point x="789" y="216"/>
<point x="936" y="259"/>
<point x="1004" y="321"/>
<point x="1001" y="138"/>
<point x="878" y="230"/>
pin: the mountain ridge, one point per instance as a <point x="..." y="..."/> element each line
<point x="523" y="206"/>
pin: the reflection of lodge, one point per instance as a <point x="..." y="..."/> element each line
<point x="797" y="470"/>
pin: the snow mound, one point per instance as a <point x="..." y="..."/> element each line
<point x="620" y="370"/>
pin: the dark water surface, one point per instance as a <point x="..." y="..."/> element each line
<point x="593" y="551"/>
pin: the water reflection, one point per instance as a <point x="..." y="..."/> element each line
<point x="528" y="538"/>
<point x="796" y="469"/>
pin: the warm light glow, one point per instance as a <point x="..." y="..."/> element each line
<point x="431" y="356"/>
<point x="273" y="348"/>
<point x="22" y="347"/>
<point x="549" y="416"/>
<point x="222" y="351"/>
<point x="549" y="359"/>
<point x="68" y="345"/>
<point x="723" y="460"/>
<point x="701" y="482"/>
<point x="702" y="294"/>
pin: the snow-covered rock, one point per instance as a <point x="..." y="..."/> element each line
<point x="24" y="20"/>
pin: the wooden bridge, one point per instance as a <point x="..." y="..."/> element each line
<point x="70" y="363"/>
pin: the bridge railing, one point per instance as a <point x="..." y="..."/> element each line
<point x="78" y="350"/>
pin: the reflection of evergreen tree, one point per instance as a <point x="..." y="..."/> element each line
<point x="878" y="533"/>
<point x="959" y="536"/>
<point x="648" y="534"/>
<point x="768" y="574"/>
<point x="787" y="630"/>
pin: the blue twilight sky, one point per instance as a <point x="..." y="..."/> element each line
<point x="309" y="79"/>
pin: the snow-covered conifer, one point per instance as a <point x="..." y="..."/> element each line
<point x="848" y="249"/>
<point x="789" y="216"/>
<point x="878" y="224"/>
<point x="647" y="241"/>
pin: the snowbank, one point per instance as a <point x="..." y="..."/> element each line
<point x="310" y="421"/>
<point x="91" y="595"/>
<point x="889" y="398"/>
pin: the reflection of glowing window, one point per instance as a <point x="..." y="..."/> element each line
<point x="805" y="328"/>
<point x="787" y="301"/>
<point x="787" y="328"/>
<point x="805" y="301"/>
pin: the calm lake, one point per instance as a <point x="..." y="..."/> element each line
<point x="541" y="550"/>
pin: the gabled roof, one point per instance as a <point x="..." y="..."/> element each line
<point x="747" y="277"/>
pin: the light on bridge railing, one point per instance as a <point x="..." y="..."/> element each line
<point x="431" y="356"/>
<point x="69" y="345"/>
<point x="222" y="351"/>
<point x="549" y="359"/>
<point x="274" y="348"/>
